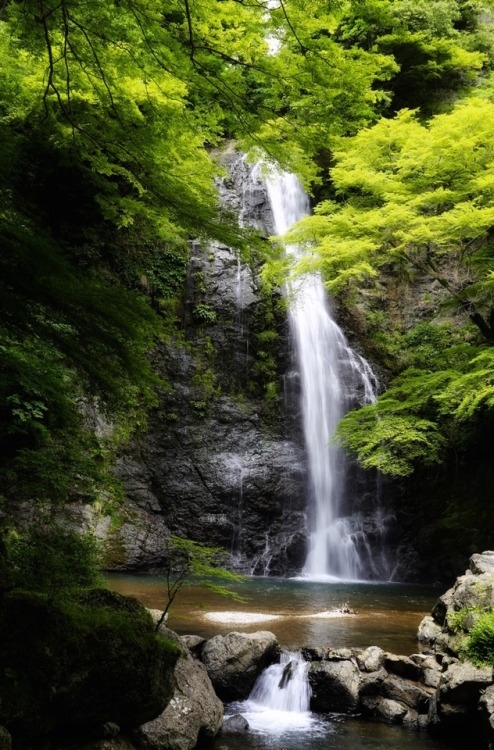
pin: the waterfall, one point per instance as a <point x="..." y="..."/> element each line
<point x="333" y="379"/>
<point x="280" y="699"/>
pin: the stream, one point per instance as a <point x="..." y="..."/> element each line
<point x="298" y="612"/>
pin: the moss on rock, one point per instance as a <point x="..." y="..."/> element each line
<point x="73" y="664"/>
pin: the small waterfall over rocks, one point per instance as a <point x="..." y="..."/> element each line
<point x="280" y="699"/>
<point x="333" y="379"/>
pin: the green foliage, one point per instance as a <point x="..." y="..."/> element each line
<point x="204" y="313"/>
<point x="109" y="119"/>
<point x="189" y="562"/>
<point x="479" y="647"/>
<point x="388" y="441"/>
<point x="51" y="560"/>
<point x="439" y="46"/>
<point x="68" y="340"/>
<point x="414" y="201"/>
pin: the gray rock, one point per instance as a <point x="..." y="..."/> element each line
<point x="441" y="607"/>
<point x="193" y="710"/>
<point x="339" y="654"/>
<point x="454" y="711"/>
<point x="461" y="683"/>
<point x="486" y="706"/>
<point x="385" y="710"/>
<point x="194" y="643"/>
<point x="371" y="660"/>
<point x="402" y="666"/>
<point x="482" y="563"/>
<point x="429" y="631"/>
<point x="473" y="591"/>
<point x="314" y="654"/>
<point x="407" y="692"/>
<point x="236" y="724"/>
<point x="431" y="668"/>
<point x="335" y="686"/>
<point x="234" y="661"/>
<point x="371" y="683"/>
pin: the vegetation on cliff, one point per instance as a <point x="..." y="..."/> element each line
<point x="109" y="120"/>
<point x="415" y="200"/>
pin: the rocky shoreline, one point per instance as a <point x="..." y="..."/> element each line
<point x="434" y="690"/>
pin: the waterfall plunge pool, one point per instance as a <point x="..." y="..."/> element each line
<point x="295" y="610"/>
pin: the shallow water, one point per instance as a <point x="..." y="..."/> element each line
<point x="333" y="733"/>
<point x="388" y="615"/>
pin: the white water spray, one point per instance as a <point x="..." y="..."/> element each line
<point x="280" y="699"/>
<point x="333" y="377"/>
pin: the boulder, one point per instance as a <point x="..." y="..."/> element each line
<point x="409" y="693"/>
<point x="385" y="710"/>
<point x="441" y="607"/>
<point x="236" y="724"/>
<point x="194" y="643"/>
<point x="96" y="660"/>
<point x="473" y="591"/>
<point x="402" y="666"/>
<point x="371" y="683"/>
<point x="235" y="661"/>
<point x="314" y="653"/>
<point x="193" y="712"/>
<point x="335" y="686"/>
<point x="454" y="709"/>
<point x="461" y="683"/>
<point x="371" y="660"/>
<point x="429" y="631"/>
<point x="431" y="668"/>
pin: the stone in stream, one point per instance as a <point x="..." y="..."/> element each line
<point x="236" y="724"/>
<point x="335" y="686"/>
<point x="234" y="661"/>
<point x="286" y="676"/>
<point x="371" y="660"/>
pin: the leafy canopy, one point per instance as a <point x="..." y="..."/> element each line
<point x="416" y="200"/>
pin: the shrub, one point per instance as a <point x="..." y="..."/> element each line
<point x="480" y="645"/>
<point x="51" y="559"/>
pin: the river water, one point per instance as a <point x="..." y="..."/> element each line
<point x="299" y="612"/>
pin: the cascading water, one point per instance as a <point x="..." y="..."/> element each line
<point x="280" y="699"/>
<point x="333" y="378"/>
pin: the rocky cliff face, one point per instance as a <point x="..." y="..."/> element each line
<point x="222" y="461"/>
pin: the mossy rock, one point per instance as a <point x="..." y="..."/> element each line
<point x="72" y="665"/>
<point x="5" y="739"/>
